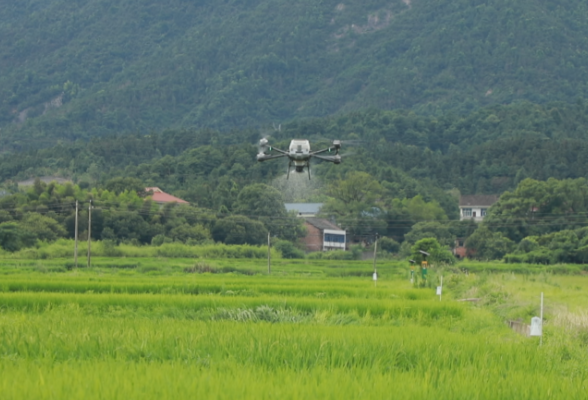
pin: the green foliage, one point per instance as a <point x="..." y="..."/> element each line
<point x="143" y="65"/>
<point x="566" y="246"/>
<point x="43" y="227"/>
<point x="46" y="212"/>
<point x="438" y="254"/>
<point x="430" y="229"/>
<point x="486" y="245"/>
<point x="539" y="207"/>
<point x="265" y="204"/>
<point x="288" y="249"/>
<point x="419" y="210"/>
<point x="238" y="229"/>
<point x="13" y="237"/>
<point x="388" y="245"/>
<point x="356" y="203"/>
<point x="121" y="184"/>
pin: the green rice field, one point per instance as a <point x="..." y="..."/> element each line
<point x="224" y="329"/>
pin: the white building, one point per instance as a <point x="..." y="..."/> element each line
<point x="475" y="206"/>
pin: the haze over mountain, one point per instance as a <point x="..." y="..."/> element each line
<point x="76" y="69"/>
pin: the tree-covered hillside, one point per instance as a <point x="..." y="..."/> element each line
<point x="77" y="69"/>
<point x="487" y="151"/>
<point x="401" y="181"/>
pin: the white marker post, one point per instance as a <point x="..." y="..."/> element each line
<point x="375" y="277"/>
<point x="541" y="338"/>
<point x="537" y="324"/>
<point x="440" y="289"/>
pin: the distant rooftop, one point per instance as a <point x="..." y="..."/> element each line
<point x="322" y="224"/>
<point x="160" y="197"/>
<point x="478" y="200"/>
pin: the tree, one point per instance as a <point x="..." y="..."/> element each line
<point x="420" y="210"/>
<point x="238" y="229"/>
<point x="540" y="207"/>
<point x="121" y="184"/>
<point x="126" y="226"/>
<point x="431" y="229"/>
<point x="484" y="244"/>
<point x="388" y="245"/>
<point x="14" y="238"/>
<point x="438" y="254"/>
<point x="264" y="203"/>
<point x="357" y="192"/>
<point x="43" y="227"/>
<point x="185" y="232"/>
<point x="288" y="249"/>
<point x="355" y="203"/>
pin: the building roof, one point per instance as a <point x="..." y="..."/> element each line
<point x="322" y="224"/>
<point x="485" y="200"/>
<point x="304" y="208"/>
<point x="159" y="196"/>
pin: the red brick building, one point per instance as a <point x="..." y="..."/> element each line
<point x="323" y="235"/>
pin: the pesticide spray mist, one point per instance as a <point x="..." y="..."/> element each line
<point x="298" y="188"/>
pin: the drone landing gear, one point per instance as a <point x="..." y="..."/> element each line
<point x="308" y="167"/>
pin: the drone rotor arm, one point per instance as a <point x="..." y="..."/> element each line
<point x="279" y="151"/>
<point x="328" y="149"/>
<point x="334" y="159"/>
<point x="264" y="157"/>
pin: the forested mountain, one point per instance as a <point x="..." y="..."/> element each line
<point x="78" y="69"/>
<point x="401" y="180"/>
<point x="487" y="151"/>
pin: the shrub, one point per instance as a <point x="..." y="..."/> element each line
<point x="288" y="249"/>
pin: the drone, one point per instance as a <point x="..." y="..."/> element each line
<point x="299" y="154"/>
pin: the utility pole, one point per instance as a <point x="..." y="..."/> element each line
<point x="76" y="238"/>
<point x="375" y="256"/>
<point x="89" y="231"/>
<point x="269" y="257"/>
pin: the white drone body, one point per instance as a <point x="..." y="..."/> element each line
<point x="299" y="154"/>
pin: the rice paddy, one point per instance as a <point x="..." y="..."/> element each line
<point x="312" y="329"/>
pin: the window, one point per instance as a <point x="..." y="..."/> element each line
<point x="467" y="212"/>
<point x="331" y="237"/>
<point x="483" y="212"/>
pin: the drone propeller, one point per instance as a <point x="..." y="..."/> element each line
<point x="263" y="145"/>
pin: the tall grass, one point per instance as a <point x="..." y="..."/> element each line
<point x="214" y="307"/>
<point x="210" y="284"/>
<point x="68" y="354"/>
<point x="99" y="333"/>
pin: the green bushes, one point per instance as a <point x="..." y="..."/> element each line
<point x="64" y="248"/>
<point x="288" y="249"/>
